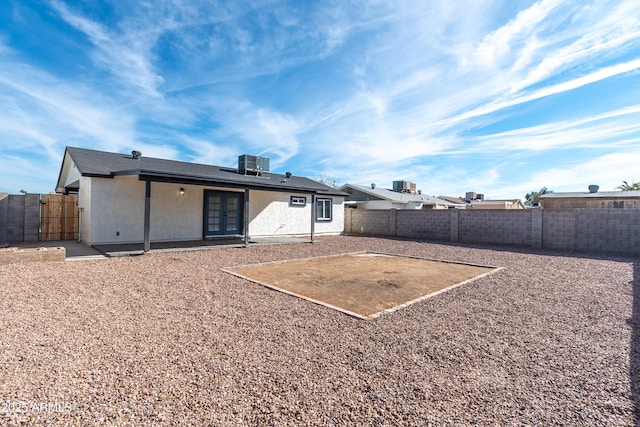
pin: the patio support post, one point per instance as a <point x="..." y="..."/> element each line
<point x="246" y="217"/>
<point x="147" y="215"/>
<point x="313" y="215"/>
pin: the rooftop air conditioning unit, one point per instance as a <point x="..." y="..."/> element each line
<point x="404" y="186"/>
<point x="252" y="165"/>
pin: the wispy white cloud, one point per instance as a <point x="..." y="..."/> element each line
<point x="596" y="131"/>
<point x="508" y="101"/>
<point x="497" y="48"/>
<point x="430" y="91"/>
<point x="126" y="57"/>
<point x="599" y="171"/>
<point x="263" y="132"/>
<point x="43" y="111"/>
<point x="208" y="152"/>
<point x="617" y="27"/>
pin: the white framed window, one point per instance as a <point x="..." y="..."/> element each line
<point x="323" y="210"/>
<point x="298" y="201"/>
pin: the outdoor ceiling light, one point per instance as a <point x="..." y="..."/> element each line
<point x="181" y="191"/>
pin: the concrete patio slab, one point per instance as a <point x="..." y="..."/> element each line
<point x="131" y="249"/>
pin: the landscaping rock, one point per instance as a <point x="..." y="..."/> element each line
<point x="170" y="339"/>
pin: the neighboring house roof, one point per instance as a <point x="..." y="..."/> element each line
<point x="589" y="195"/>
<point x="396" y="197"/>
<point x="456" y="200"/>
<point x="510" y="203"/>
<point x="504" y="203"/>
<point x="93" y="163"/>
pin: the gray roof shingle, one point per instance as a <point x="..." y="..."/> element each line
<point x="95" y="163"/>
<point x="394" y="196"/>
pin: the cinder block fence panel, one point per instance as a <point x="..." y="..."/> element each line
<point x="369" y="222"/>
<point x="583" y="230"/>
<point x="559" y="229"/>
<point x="415" y="224"/>
<point x="507" y="227"/>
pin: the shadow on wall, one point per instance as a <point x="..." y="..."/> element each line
<point x="634" y="351"/>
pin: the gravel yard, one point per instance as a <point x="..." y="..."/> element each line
<point x="169" y="338"/>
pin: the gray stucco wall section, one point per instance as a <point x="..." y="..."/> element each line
<point x="32" y="218"/>
<point x="22" y="222"/>
<point x="4" y="216"/>
<point x="582" y="230"/>
<point x="15" y="220"/>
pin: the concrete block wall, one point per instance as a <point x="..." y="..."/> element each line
<point x="608" y="230"/>
<point x="559" y="229"/>
<point x="362" y="221"/>
<point x="508" y="227"/>
<point x="582" y="230"/>
<point x="413" y="223"/>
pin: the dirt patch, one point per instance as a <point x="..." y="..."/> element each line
<point x="12" y="255"/>
<point x="362" y="284"/>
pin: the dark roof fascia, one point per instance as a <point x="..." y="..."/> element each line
<point x="99" y="175"/>
<point x="64" y="156"/>
<point x="336" y="193"/>
<point x="192" y="180"/>
<point x="184" y="177"/>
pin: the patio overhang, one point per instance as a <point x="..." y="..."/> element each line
<point x="149" y="176"/>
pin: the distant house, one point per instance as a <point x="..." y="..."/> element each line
<point x="592" y="199"/>
<point x="477" y="201"/>
<point x="496" y="204"/>
<point x="374" y="197"/>
<point x="129" y="198"/>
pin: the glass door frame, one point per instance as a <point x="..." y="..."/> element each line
<point x="224" y="197"/>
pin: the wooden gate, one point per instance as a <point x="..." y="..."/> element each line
<point x="59" y="217"/>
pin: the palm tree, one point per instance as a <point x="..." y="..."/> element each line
<point x="629" y="187"/>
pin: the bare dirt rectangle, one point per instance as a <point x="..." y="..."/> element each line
<point x="362" y="284"/>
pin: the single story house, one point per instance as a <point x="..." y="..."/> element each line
<point x="593" y="199"/>
<point x="481" y="203"/>
<point x="496" y="204"/>
<point x="129" y="198"/>
<point x="373" y="197"/>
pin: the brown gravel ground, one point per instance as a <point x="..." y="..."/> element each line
<point x="167" y="339"/>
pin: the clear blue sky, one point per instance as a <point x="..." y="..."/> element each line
<point x="497" y="97"/>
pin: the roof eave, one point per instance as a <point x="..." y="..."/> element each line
<point x="201" y="180"/>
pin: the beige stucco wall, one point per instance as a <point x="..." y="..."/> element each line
<point x="336" y="225"/>
<point x="116" y="210"/>
<point x="113" y="212"/>
<point x="120" y="203"/>
<point x="271" y="214"/>
<point x="175" y="216"/>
